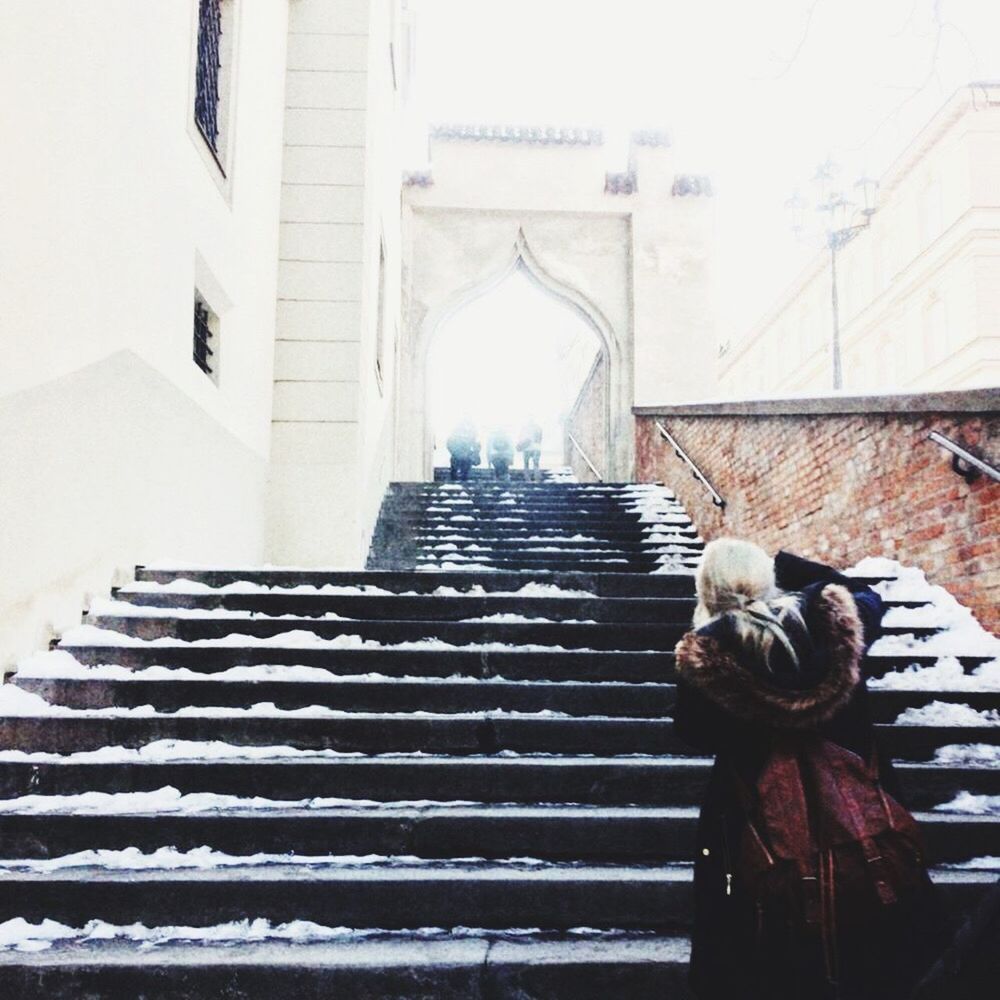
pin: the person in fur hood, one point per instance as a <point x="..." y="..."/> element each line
<point x="777" y="653"/>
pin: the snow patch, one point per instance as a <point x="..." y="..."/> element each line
<point x="972" y="805"/>
<point x="947" y="674"/>
<point x="945" y="713"/>
<point x="968" y="755"/>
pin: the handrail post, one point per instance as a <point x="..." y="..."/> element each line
<point x="975" y="466"/>
<point x="583" y="455"/>
<point x="695" y="471"/>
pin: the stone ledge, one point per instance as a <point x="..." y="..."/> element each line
<point x="958" y="401"/>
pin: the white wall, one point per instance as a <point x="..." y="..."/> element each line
<point x="340" y="191"/>
<point x="112" y="214"/>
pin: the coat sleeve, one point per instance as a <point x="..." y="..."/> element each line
<point x="792" y="572"/>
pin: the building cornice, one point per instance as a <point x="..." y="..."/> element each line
<point x="958" y="401"/>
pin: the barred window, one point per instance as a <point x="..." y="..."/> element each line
<point x="206" y="100"/>
<point x="214" y="60"/>
<point x="206" y="325"/>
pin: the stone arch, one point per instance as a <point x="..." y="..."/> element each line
<point x="414" y="444"/>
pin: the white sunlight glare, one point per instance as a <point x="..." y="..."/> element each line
<point x="513" y="353"/>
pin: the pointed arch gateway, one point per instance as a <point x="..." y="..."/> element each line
<point x="472" y="256"/>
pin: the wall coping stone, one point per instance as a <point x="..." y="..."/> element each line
<point x="953" y="401"/>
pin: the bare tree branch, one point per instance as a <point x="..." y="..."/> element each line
<point x="790" y="60"/>
<point x="915" y="91"/>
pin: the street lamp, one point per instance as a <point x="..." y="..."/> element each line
<point x="839" y="231"/>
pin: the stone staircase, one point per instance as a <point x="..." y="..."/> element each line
<point x="451" y="776"/>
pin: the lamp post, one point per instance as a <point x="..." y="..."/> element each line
<point x="839" y="231"/>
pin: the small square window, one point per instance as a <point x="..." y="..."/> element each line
<point x="206" y="338"/>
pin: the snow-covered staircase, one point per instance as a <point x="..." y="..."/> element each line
<point x="456" y="779"/>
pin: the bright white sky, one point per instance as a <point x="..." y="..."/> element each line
<point x="755" y="94"/>
<point x="513" y="353"/>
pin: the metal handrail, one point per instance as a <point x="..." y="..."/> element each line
<point x="696" y="472"/>
<point x="959" y="454"/>
<point x="583" y="455"/>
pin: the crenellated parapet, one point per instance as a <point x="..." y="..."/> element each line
<point x="533" y="135"/>
<point x="697" y="185"/>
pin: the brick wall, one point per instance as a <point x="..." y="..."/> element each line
<point x="588" y="423"/>
<point x="841" y="479"/>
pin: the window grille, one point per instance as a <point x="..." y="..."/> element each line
<point x="206" y="101"/>
<point x="203" y="336"/>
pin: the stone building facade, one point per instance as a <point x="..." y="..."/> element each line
<point x="919" y="288"/>
<point x="217" y="302"/>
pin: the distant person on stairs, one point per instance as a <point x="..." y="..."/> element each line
<point x="810" y="881"/>
<point x="463" y="446"/>
<point x="500" y="453"/>
<point x="529" y="443"/>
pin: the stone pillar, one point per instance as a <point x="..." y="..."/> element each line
<point x="676" y="344"/>
<point x="313" y="493"/>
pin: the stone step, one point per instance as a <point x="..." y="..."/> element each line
<point x="389" y="694"/>
<point x="472" y="733"/>
<point x="432" y="524"/>
<point x="483" y="533"/>
<point x="553" y="565"/>
<point x="576" y="635"/>
<point x="372" y="965"/>
<point x="568" y="634"/>
<point x="364" y="695"/>
<point x="542" y="566"/>
<point x="540" y="497"/>
<point x="459" y="491"/>
<point x="514" y="665"/>
<point x="602" y="584"/>
<point x="651" y="781"/>
<point x="486" y="510"/>
<point x="551" y="832"/>
<point x="428" y="607"/>
<point x="633" y="548"/>
<point x="530" y="518"/>
<point x="392" y="896"/>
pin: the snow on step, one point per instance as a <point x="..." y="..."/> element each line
<point x="646" y="527"/>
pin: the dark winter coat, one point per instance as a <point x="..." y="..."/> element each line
<point x="463" y="445"/>
<point x="725" y="706"/>
<point x="501" y="448"/>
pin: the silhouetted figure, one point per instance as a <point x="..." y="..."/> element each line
<point x="463" y="446"/>
<point x="500" y="453"/>
<point x="529" y="443"/>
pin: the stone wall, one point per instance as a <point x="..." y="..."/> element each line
<point x="841" y="479"/>
<point x="587" y="422"/>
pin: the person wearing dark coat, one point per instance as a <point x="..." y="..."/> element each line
<point x="500" y="453"/>
<point x="463" y="446"/>
<point x="760" y="661"/>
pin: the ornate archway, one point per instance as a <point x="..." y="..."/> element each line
<point x="631" y="260"/>
<point x="520" y="258"/>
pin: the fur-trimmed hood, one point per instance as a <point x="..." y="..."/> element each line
<point x="712" y="663"/>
